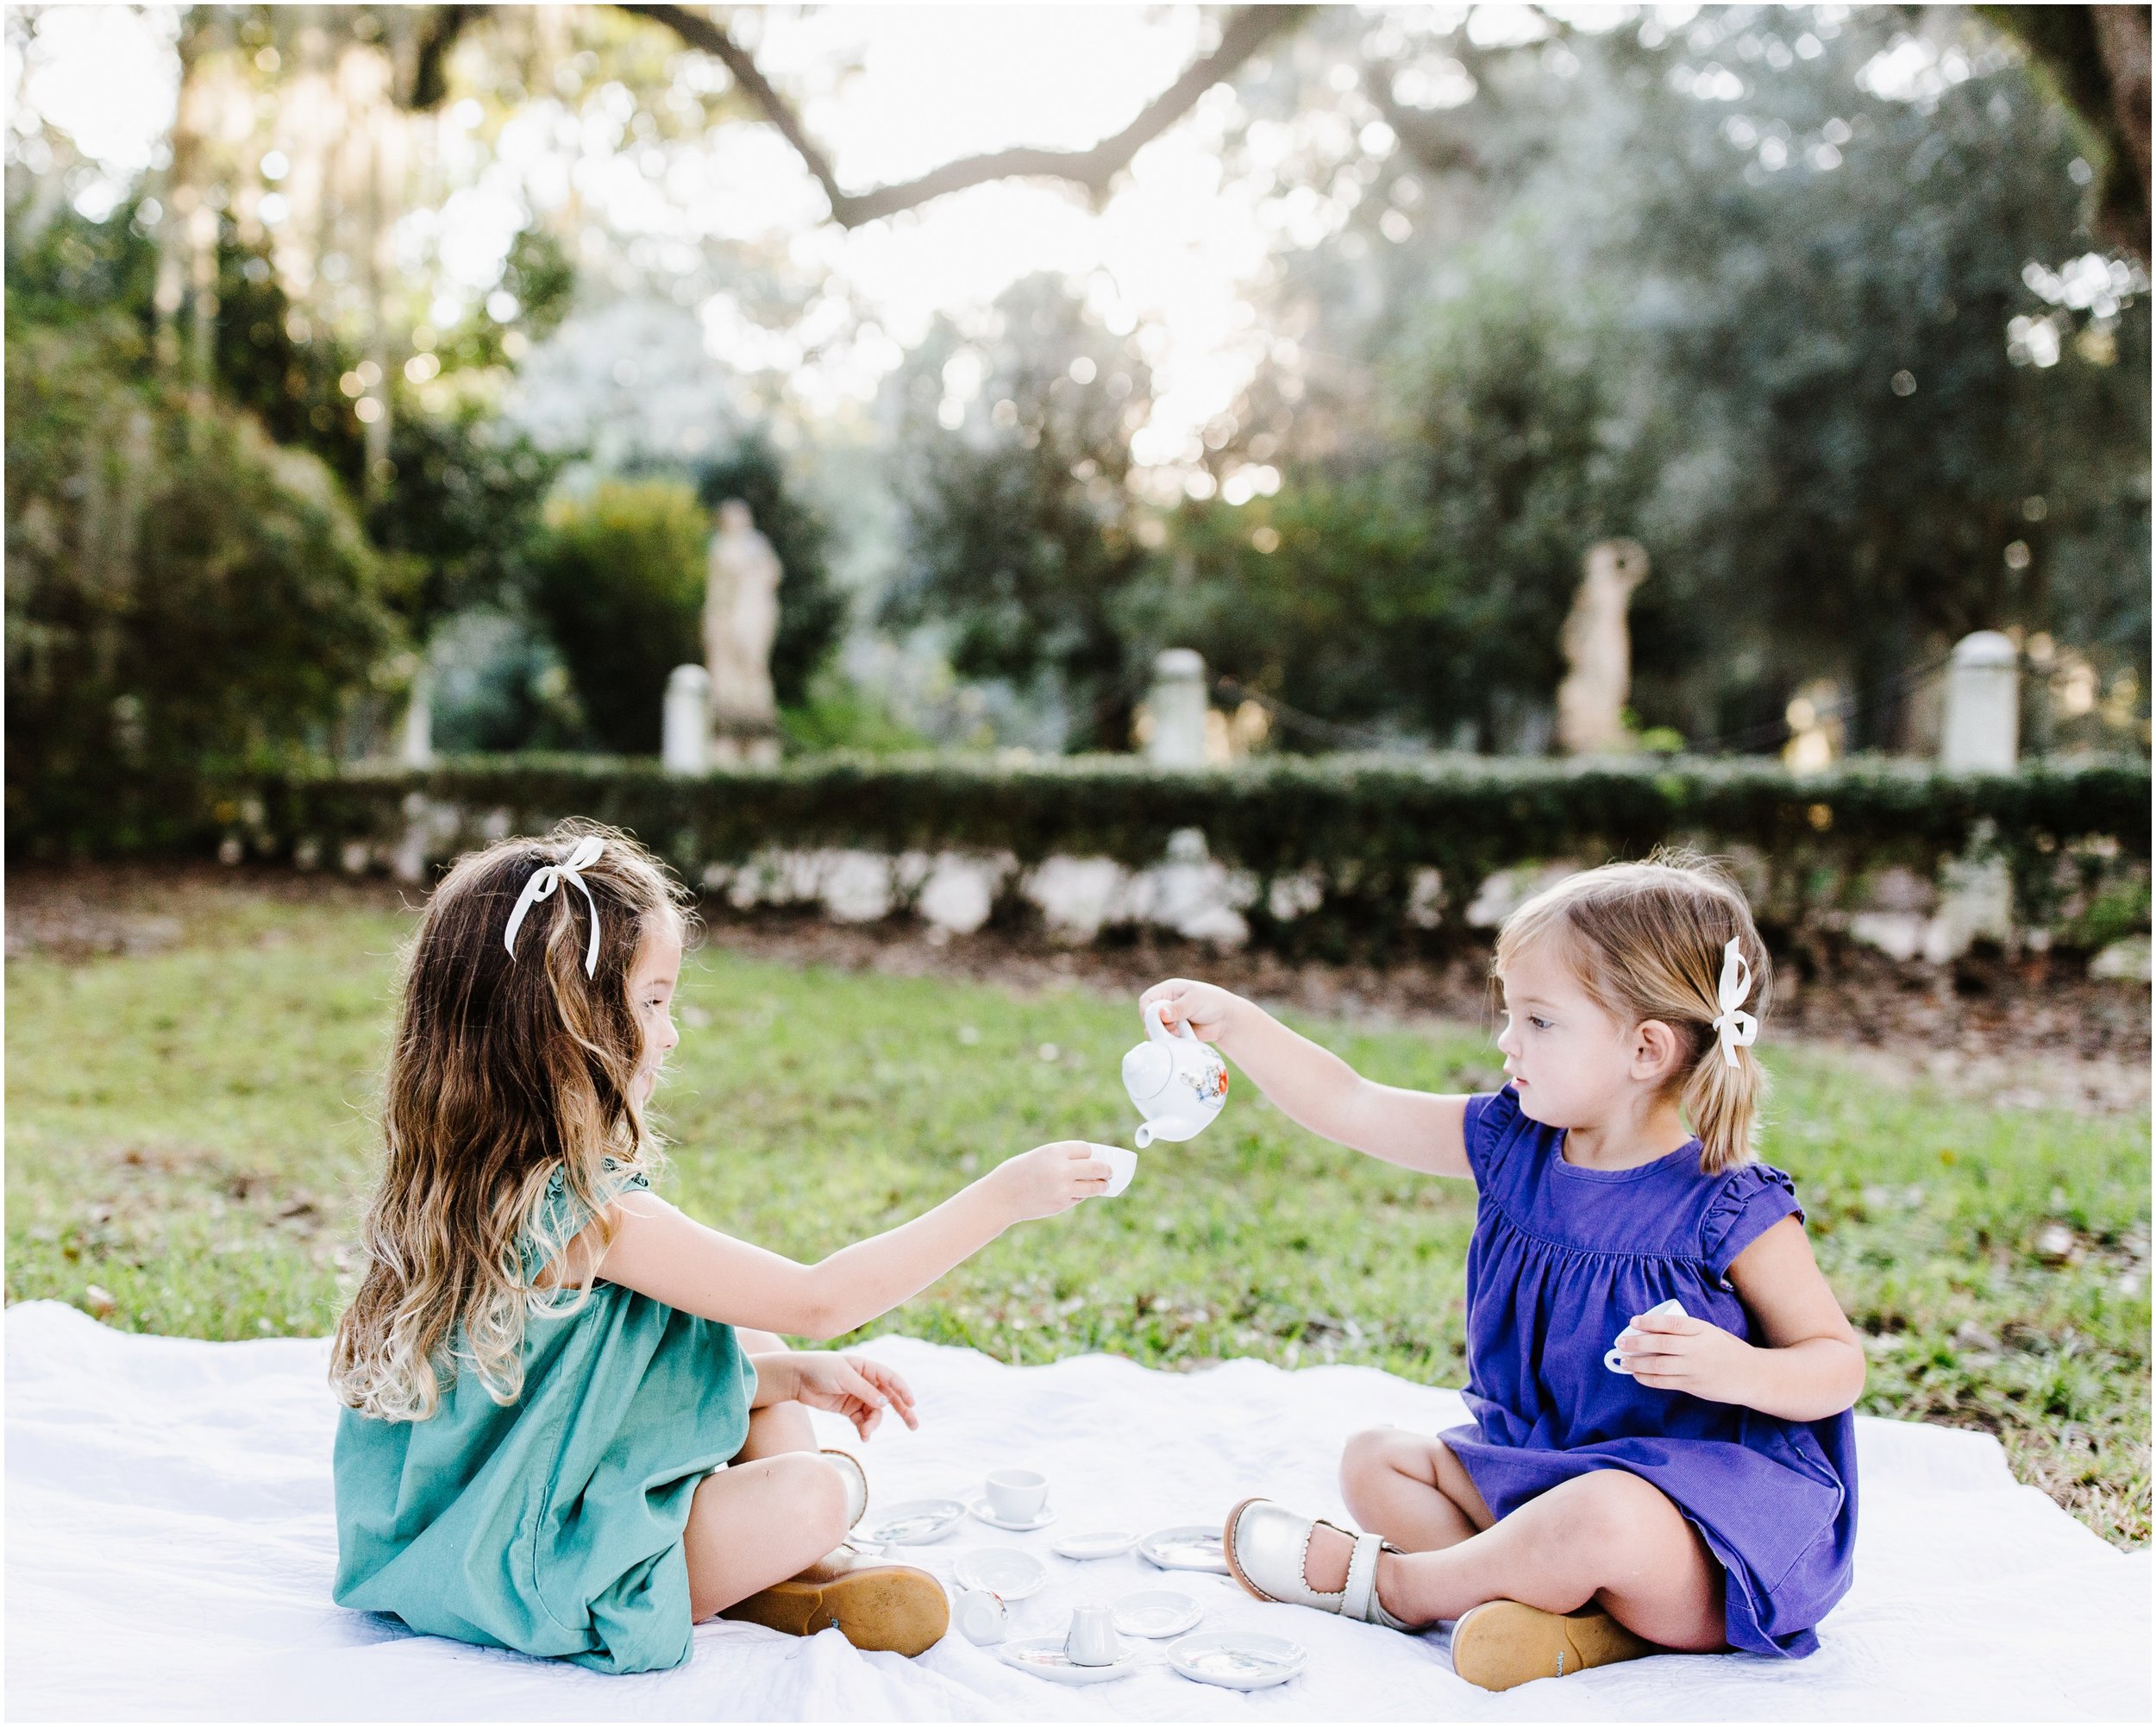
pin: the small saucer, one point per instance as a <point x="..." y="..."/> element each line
<point x="1241" y="1660"/>
<point x="912" y="1523"/>
<point x="1095" y="1544"/>
<point x="1044" y="1658"/>
<point x="986" y="1512"/>
<point x="1003" y="1571"/>
<point x="1185" y="1547"/>
<point x="1157" y="1613"/>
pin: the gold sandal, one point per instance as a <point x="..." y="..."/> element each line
<point x="1503" y="1643"/>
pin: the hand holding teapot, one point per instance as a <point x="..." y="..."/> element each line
<point x="1177" y="1082"/>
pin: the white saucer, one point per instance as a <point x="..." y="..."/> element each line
<point x="1095" y="1544"/>
<point x="1241" y="1660"/>
<point x="1157" y="1613"/>
<point x="1002" y="1570"/>
<point x="1044" y="1658"/>
<point x="912" y="1523"/>
<point x="1185" y="1547"/>
<point x="1040" y="1520"/>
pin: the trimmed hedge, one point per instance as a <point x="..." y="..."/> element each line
<point x="1366" y="828"/>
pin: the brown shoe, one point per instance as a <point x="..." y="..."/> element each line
<point x="1503" y="1643"/>
<point x="877" y="1606"/>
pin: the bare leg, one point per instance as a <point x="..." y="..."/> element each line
<point x="1411" y="1490"/>
<point x="1608" y="1537"/>
<point x="756" y="1523"/>
<point x="776" y="1428"/>
<point x="769" y="1513"/>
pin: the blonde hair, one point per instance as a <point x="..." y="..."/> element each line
<point x="505" y="1069"/>
<point x="1645" y="941"/>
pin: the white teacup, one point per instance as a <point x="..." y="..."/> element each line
<point x="1614" y="1358"/>
<point x="1091" y="1640"/>
<point x="1123" y="1163"/>
<point x="1017" y="1496"/>
<point x="981" y="1616"/>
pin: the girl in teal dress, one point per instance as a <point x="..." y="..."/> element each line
<point x="569" y="1428"/>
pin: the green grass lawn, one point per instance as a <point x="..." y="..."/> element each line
<point x="189" y="1138"/>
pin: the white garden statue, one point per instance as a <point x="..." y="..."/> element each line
<point x="741" y="622"/>
<point x="1598" y="651"/>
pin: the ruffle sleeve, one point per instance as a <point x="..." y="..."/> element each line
<point x="1752" y="1202"/>
<point x="1492" y="1127"/>
<point x="559" y="1215"/>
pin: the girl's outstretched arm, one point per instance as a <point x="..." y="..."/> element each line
<point x="1419" y="1130"/>
<point x="1811" y="1365"/>
<point x="659" y="1251"/>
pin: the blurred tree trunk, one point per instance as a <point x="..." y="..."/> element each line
<point x="2097" y="57"/>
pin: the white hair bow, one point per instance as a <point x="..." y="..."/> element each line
<point x="545" y="879"/>
<point x="1738" y="1028"/>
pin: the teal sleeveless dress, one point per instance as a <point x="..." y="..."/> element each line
<point x="553" y="1525"/>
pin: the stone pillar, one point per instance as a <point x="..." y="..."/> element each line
<point x="415" y="744"/>
<point x="1178" y="705"/>
<point x="1983" y="727"/>
<point x="1981" y="736"/>
<point x="687" y="728"/>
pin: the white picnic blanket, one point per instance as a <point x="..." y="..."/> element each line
<point x="170" y="1541"/>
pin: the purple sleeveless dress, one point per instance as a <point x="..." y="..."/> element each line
<point x="1562" y="1258"/>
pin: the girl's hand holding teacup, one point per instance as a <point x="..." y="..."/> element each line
<point x="1050" y="1178"/>
<point x="851" y="1385"/>
<point x="1206" y="1009"/>
<point x="1676" y="1353"/>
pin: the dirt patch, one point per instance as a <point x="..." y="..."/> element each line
<point x="2034" y="1032"/>
<point x="89" y="910"/>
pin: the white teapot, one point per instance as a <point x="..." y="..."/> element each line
<point x="1177" y="1082"/>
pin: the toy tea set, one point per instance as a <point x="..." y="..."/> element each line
<point x="1178" y="1084"/>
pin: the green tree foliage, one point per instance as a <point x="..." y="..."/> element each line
<point x="186" y="600"/>
<point x="1807" y="305"/>
<point x="618" y="580"/>
<point x="1878" y="447"/>
<point x="1019" y="536"/>
<point x="1324" y="598"/>
<point x="461" y="495"/>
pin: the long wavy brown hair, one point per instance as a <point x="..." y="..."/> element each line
<point x="504" y="1070"/>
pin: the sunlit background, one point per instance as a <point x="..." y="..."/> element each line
<point x="1829" y="307"/>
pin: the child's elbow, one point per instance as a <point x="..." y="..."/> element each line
<point x="819" y="1317"/>
<point x="1853" y="1379"/>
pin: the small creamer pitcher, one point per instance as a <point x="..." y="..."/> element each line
<point x="1177" y="1082"/>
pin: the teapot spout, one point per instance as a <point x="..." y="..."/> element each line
<point x="1143" y="1136"/>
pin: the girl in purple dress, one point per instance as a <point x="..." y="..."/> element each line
<point x="1632" y="1480"/>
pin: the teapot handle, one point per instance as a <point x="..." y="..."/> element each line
<point x="1159" y="1032"/>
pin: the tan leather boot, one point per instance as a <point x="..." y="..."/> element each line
<point x="876" y="1605"/>
<point x="1503" y="1643"/>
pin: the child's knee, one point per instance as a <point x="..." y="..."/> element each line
<point x="1614" y="1506"/>
<point x="1372" y="1454"/>
<point x="818" y="1492"/>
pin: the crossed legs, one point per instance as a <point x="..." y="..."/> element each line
<point x="773" y="1510"/>
<point x="1608" y="1537"/>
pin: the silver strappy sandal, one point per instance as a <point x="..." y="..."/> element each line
<point x="1266" y="1546"/>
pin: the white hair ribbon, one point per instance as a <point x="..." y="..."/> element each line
<point x="1738" y="1028"/>
<point x="545" y="879"/>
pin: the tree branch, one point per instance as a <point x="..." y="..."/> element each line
<point x="1247" y="31"/>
